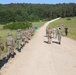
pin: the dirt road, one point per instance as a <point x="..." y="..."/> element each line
<point x="40" y="58"/>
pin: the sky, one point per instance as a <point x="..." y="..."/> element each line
<point x="37" y="1"/>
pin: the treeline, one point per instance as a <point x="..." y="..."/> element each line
<point x="21" y="12"/>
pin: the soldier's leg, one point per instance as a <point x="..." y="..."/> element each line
<point x="19" y="45"/>
<point x="0" y="53"/>
<point x="8" y="52"/>
<point x="17" y="42"/>
<point x="12" y="51"/>
<point x="49" y="40"/>
<point x="26" y="40"/>
<point x="59" y="39"/>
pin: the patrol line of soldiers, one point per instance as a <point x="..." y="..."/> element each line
<point x="54" y="33"/>
<point x="22" y="37"/>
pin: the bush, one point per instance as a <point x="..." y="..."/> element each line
<point x="68" y="18"/>
<point x="18" y="25"/>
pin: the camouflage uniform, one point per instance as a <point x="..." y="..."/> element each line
<point x="18" y="39"/>
<point x="32" y="31"/>
<point x="59" y="32"/>
<point x="66" y="31"/>
<point x="54" y="32"/>
<point x="49" y="35"/>
<point x="10" y="44"/>
<point x="26" y="36"/>
<point x="46" y="31"/>
<point x="29" y="34"/>
<point x="1" y="46"/>
<point x="23" y="38"/>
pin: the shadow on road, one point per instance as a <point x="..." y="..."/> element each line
<point x="46" y="42"/>
<point x="2" y="62"/>
<point x="55" y="42"/>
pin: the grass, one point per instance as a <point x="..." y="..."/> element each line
<point x="39" y="24"/>
<point x="71" y="24"/>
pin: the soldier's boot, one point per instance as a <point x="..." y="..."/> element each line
<point x="12" y="55"/>
<point x="59" y="43"/>
<point x="22" y="45"/>
<point x="8" y="56"/>
<point x="19" y="49"/>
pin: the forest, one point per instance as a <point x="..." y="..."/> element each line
<point x="22" y="12"/>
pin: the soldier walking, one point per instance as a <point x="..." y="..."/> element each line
<point x="66" y="31"/>
<point x="54" y="32"/>
<point x="1" y="47"/>
<point x="26" y="36"/>
<point x="23" y="38"/>
<point x="46" y="31"/>
<point x="18" y="39"/>
<point x="59" y="33"/>
<point x="49" y="35"/>
<point x="10" y="44"/>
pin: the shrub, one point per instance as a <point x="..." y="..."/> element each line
<point x="68" y="18"/>
<point x="18" y="25"/>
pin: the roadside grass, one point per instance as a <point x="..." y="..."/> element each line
<point x="71" y="24"/>
<point x="39" y="24"/>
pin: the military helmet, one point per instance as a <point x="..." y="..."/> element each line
<point x="9" y="34"/>
<point x="19" y="30"/>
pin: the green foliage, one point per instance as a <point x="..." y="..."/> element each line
<point x="35" y="12"/>
<point x="17" y="25"/>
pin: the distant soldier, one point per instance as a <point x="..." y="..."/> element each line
<point x="1" y="46"/>
<point x="29" y="33"/>
<point x="23" y="38"/>
<point x="49" y="35"/>
<point x="59" y="33"/>
<point x="66" y="31"/>
<point x="46" y="31"/>
<point x="32" y="31"/>
<point x="26" y="36"/>
<point x="19" y="39"/>
<point x="54" y="32"/>
<point x="10" y="44"/>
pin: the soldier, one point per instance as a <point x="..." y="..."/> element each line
<point x="46" y="31"/>
<point x="1" y="47"/>
<point x="26" y="36"/>
<point x="23" y="38"/>
<point x="54" y="32"/>
<point x="32" y="31"/>
<point x="29" y="35"/>
<point x="59" y="32"/>
<point x="10" y="44"/>
<point x="49" y="35"/>
<point x="66" y="30"/>
<point x="19" y="39"/>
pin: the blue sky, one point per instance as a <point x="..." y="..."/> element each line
<point x="37" y="1"/>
